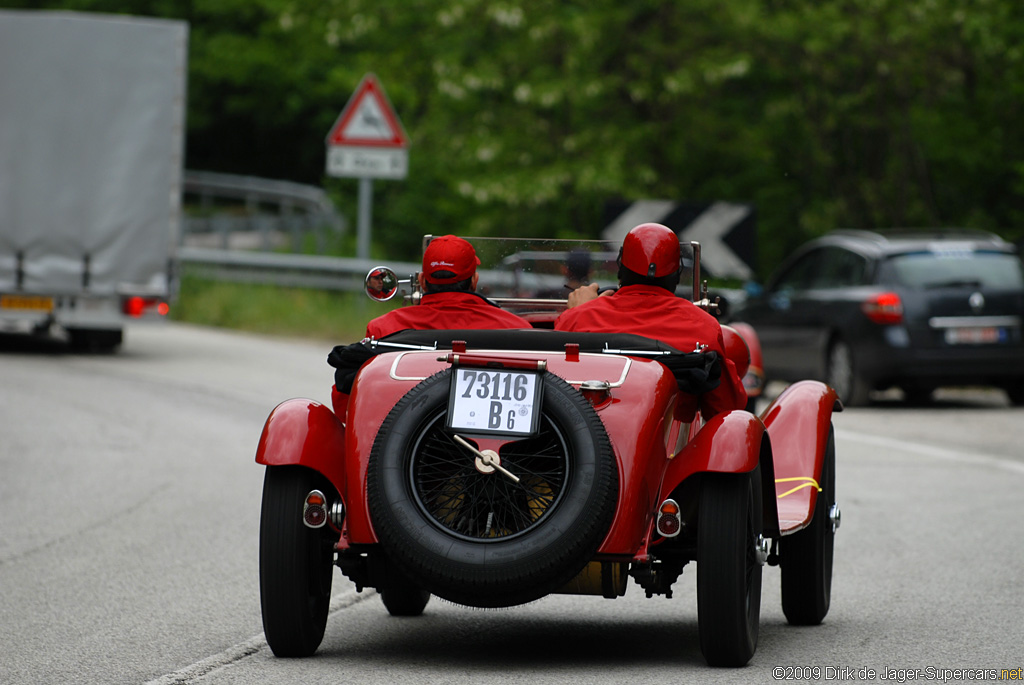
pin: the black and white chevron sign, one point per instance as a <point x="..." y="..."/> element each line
<point x="726" y="231"/>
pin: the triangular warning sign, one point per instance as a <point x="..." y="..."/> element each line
<point x="368" y="119"/>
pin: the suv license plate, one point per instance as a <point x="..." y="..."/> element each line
<point x="490" y="402"/>
<point x="975" y="336"/>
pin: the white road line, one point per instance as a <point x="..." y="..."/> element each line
<point x="201" y="669"/>
<point x="974" y="458"/>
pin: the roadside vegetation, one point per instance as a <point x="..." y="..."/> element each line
<point x="334" y="317"/>
<point x="529" y="117"/>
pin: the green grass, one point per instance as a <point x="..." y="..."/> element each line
<point x="336" y="317"/>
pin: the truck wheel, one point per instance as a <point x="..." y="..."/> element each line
<point x="482" y="539"/>
<point x="806" y="556"/>
<point x="91" y="340"/>
<point x="729" y="524"/>
<point x="296" y="564"/>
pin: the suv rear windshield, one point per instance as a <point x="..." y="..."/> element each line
<point x="958" y="268"/>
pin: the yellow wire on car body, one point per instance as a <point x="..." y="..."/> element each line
<point x="810" y="483"/>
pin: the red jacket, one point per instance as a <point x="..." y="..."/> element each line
<point x="445" y="310"/>
<point x="654" y="312"/>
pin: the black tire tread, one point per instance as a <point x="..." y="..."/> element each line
<point x="294" y="607"/>
<point x="806" y="556"/>
<point x="518" y="578"/>
<point x="730" y="506"/>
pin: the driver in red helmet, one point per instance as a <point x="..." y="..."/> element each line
<point x="448" y="281"/>
<point x="645" y="304"/>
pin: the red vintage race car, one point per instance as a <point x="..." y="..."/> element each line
<point x="492" y="468"/>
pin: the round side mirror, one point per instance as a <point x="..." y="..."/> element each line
<point x="381" y="284"/>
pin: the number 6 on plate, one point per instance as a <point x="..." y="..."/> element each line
<point x="494" y="402"/>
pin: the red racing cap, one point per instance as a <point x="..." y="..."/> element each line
<point x="449" y="259"/>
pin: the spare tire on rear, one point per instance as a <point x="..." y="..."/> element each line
<point x="482" y="539"/>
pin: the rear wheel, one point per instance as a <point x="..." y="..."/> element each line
<point x="843" y="377"/>
<point x="728" y="571"/>
<point x="806" y="556"/>
<point x="401" y="596"/>
<point x="296" y="564"/>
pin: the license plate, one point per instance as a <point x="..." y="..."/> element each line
<point x="31" y="302"/>
<point x="980" y="335"/>
<point x="494" y="402"/>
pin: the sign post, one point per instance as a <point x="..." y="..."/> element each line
<point x="367" y="141"/>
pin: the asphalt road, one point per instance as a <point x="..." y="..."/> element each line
<point x="129" y="506"/>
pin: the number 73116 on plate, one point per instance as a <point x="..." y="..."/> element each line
<point x="494" y="402"/>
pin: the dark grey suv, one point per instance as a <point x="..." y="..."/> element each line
<point x="868" y="310"/>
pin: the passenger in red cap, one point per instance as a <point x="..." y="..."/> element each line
<point x="375" y="285"/>
<point x="450" y="300"/>
<point x="645" y="304"/>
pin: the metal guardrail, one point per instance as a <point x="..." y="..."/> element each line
<point x="230" y="237"/>
<point x="327" y="273"/>
<point x="287" y="270"/>
<point x="234" y="244"/>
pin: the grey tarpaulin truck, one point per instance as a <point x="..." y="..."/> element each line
<point x="92" y="112"/>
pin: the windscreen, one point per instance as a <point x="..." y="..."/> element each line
<point x="551" y="268"/>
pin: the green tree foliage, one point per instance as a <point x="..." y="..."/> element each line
<point x="527" y="116"/>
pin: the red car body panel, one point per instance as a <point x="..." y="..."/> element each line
<point x="639" y="417"/>
<point x="798" y="422"/>
<point x="640" y="406"/>
<point x="732" y="442"/>
<point x="638" y="414"/>
<point x="304" y="433"/>
<point x="737" y="349"/>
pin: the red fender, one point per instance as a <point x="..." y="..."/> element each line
<point x="799" y="421"/>
<point x="304" y="433"/>
<point x="732" y="442"/>
<point x="729" y="442"/>
<point x="737" y="349"/>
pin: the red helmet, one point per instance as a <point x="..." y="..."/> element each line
<point x="651" y="250"/>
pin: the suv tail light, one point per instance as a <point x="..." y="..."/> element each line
<point x="884" y="308"/>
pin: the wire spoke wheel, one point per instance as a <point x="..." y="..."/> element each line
<point x="486" y="506"/>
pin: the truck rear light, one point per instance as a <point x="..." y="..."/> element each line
<point x="669" y="523"/>
<point x="884" y="308"/>
<point x="314" y="510"/>
<point x="137" y="306"/>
